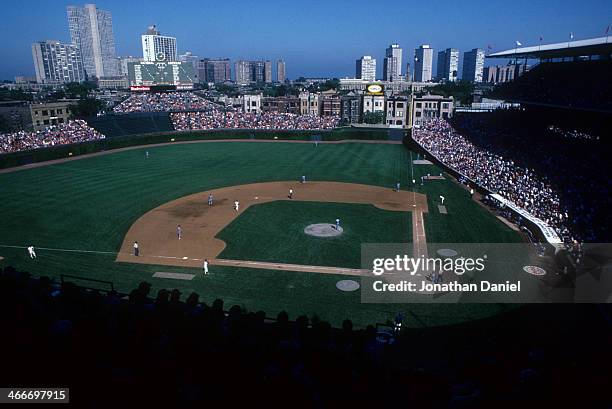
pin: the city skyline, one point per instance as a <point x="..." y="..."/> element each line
<point x="207" y="31"/>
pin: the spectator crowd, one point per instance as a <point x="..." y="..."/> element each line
<point x="163" y="102"/>
<point x="572" y="133"/>
<point x="521" y="185"/>
<point x="189" y="111"/>
<point x="220" y="119"/>
<point x="173" y="350"/>
<point x="73" y="131"/>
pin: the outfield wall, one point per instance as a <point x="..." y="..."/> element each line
<point x="9" y="160"/>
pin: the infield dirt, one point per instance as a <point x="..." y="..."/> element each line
<point x="156" y="230"/>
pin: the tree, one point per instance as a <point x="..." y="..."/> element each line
<point x="374" y="117"/>
<point x="79" y="90"/>
<point x="86" y="108"/>
<point x="225" y="89"/>
<point x="461" y="91"/>
<point x="14" y="95"/>
<point x="330" y="84"/>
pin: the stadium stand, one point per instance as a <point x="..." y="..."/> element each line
<point x="244" y="120"/>
<point x="133" y="124"/>
<point x="163" y="351"/>
<point x="529" y="161"/>
<point x="573" y="74"/>
<point x="73" y="131"/>
<point x="163" y="102"/>
<point x="578" y="85"/>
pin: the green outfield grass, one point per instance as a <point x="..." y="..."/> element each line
<point x="89" y="204"/>
<point x="275" y="232"/>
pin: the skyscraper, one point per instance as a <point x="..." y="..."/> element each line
<point x="268" y="71"/>
<point x="473" y="64"/>
<point x="214" y="70"/>
<point x="258" y="71"/>
<point x="57" y="63"/>
<point x="248" y="72"/>
<point x="448" y="65"/>
<point x="91" y="30"/>
<point x="156" y="47"/>
<point x="188" y="57"/>
<point x="123" y="64"/>
<point x="242" y="69"/>
<point x="392" y="65"/>
<point x="280" y="71"/>
<point x="423" y="61"/>
<point x="365" y="68"/>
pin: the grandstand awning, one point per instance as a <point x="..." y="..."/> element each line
<point x="579" y="48"/>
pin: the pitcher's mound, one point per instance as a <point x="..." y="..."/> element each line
<point x="323" y="230"/>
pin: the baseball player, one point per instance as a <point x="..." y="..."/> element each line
<point x="205" y="266"/>
<point x="397" y="187"/>
<point x="337" y="224"/>
<point x="290" y="193"/>
<point x="31" y="252"/>
<point x="303" y="178"/>
<point x="179" y="231"/>
<point x="147" y="154"/>
<point x="236" y="205"/>
<point x="136" y="249"/>
<point x="210" y="199"/>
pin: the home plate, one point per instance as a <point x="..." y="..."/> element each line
<point x="174" y="276"/>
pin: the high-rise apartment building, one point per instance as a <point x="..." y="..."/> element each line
<point x="57" y="63"/>
<point x="258" y="71"/>
<point x="423" y="61"/>
<point x="280" y="71"/>
<point x="392" y="65"/>
<point x="365" y="68"/>
<point x="268" y="71"/>
<point x="214" y="70"/>
<point x="448" y="65"/>
<point x="242" y="71"/>
<point x="123" y="64"/>
<point x="156" y="47"/>
<point x="91" y="30"/>
<point x="248" y="72"/>
<point x="473" y="65"/>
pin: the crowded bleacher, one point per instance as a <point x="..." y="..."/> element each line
<point x="191" y="112"/>
<point x="500" y="175"/>
<point x="509" y="153"/>
<point x="73" y="131"/>
<point x="163" y="102"/>
<point x="218" y="119"/>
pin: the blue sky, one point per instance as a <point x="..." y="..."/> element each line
<point x="316" y="38"/>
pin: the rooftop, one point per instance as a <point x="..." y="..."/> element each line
<point x="579" y="48"/>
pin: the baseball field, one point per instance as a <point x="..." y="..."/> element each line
<point x="82" y="216"/>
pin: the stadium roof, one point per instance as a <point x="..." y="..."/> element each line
<point x="593" y="46"/>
